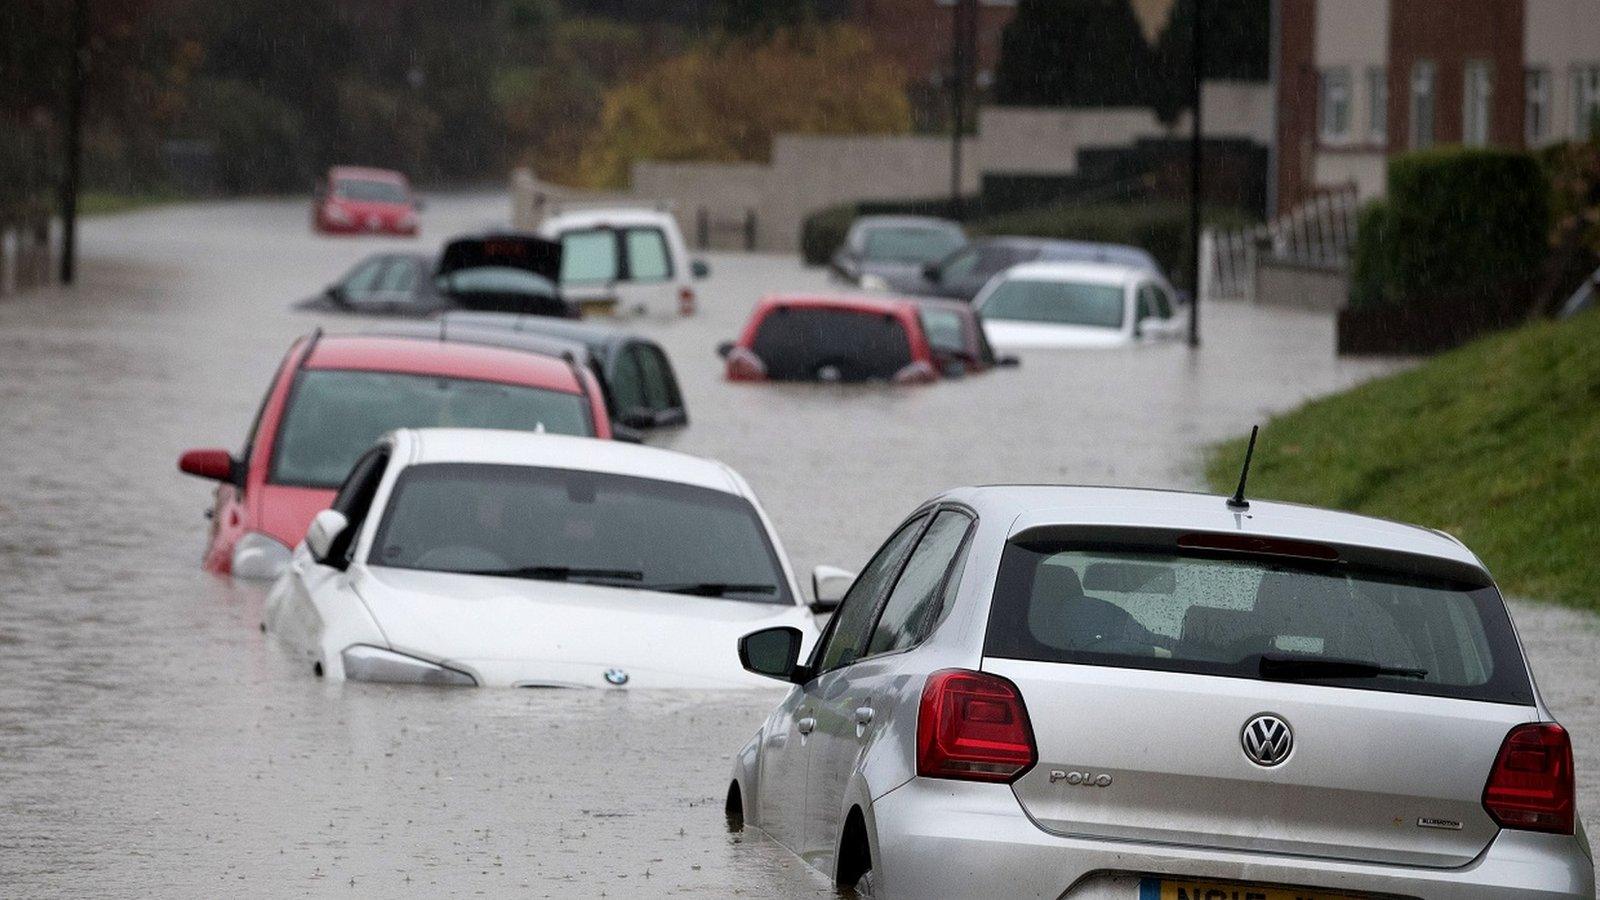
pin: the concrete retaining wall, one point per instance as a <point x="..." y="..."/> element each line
<point x="1301" y="285"/>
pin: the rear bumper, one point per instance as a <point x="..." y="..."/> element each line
<point x="957" y="839"/>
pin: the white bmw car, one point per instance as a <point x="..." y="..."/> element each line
<point x="1078" y="305"/>
<point x="476" y="557"/>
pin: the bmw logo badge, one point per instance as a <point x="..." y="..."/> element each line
<point x="616" y="677"/>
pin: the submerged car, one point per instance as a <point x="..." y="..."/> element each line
<point x="634" y="372"/>
<point x="962" y="274"/>
<point x="474" y="557"/>
<point x="360" y="200"/>
<point x="1036" y="691"/>
<point x="625" y="261"/>
<point x="504" y="272"/>
<point x="888" y="253"/>
<point x="1079" y="305"/>
<point x="383" y="284"/>
<point x="808" y="337"/>
<point x="334" y="395"/>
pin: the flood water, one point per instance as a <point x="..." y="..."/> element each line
<point x="154" y="742"/>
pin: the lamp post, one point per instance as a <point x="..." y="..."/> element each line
<point x="74" y="141"/>
<point x="1194" y="177"/>
<point x="963" y="49"/>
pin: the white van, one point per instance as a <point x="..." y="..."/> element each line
<point x="624" y="262"/>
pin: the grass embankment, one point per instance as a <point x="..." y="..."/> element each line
<point x="1497" y="443"/>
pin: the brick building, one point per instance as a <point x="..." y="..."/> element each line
<point x="1361" y="80"/>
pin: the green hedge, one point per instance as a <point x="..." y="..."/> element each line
<point x="1458" y="226"/>
<point x="1160" y="228"/>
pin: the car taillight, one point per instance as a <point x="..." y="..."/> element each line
<point x="1531" y="787"/>
<point x="972" y="726"/>
<point x="916" y="373"/>
<point x="685" y="301"/>
<point x="745" y="366"/>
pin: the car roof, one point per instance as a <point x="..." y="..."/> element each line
<point x="1032" y="506"/>
<point x="1091" y="272"/>
<point x="868" y="303"/>
<point x="522" y="448"/>
<point x="1103" y="250"/>
<point x="596" y="217"/>
<point x="903" y="221"/>
<point x="424" y="356"/>
<point x="467" y="332"/>
<point x="366" y="172"/>
<point x="590" y="334"/>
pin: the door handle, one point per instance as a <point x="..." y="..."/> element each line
<point x="805" y="725"/>
<point x="863" y="715"/>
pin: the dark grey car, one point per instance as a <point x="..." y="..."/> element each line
<point x="962" y="274"/>
<point x="888" y="253"/>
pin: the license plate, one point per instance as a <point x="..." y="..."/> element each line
<point x="1183" y="889"/>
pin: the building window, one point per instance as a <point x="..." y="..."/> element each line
<point x="1335" y="105"/>
<point x="1377" y="105"/>
<point x="1476" y="86"/>
<point x="1422" y="105"/>
<point x="1536" y="115"/>
<point x="1585" y="101"/>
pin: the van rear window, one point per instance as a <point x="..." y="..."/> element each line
<point x="835" y="344"/>
<point x="1266" y="618"/>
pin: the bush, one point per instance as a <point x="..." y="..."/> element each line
<point x="823" y="231"/>
<point x="1460" y="227"/>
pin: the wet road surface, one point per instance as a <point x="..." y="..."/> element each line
<point x="154" y="742"/>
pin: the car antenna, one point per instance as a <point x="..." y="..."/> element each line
<point x="1237" y="502"/>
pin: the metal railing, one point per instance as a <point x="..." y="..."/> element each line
<point x="1319" y="232"/>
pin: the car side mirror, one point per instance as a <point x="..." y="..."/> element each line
<point x="325" y="528"/>
<point x="773" y="652"/>
<point x="931" y="272"/>
<point x="212" y="463"/>
<point x="333" y="292"/>
<point x="699" y="268"/>
<point x="828" y="586"/>
<point x="725" y="348"/>
<point x="1008" y="361"/>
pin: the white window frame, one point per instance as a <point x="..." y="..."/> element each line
<point x="1536" y="110"/>
<point x="1585" y="99"/>
<point x="1477" y="98"/>
<point x="1423" y="98"/>
<point x="1377" y="104"/>
<point x="1334" y="105"/>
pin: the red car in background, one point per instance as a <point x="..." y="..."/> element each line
<point x="355" y="200"/>
<point x="334" y="395"/>
<point x="804" y="337"/>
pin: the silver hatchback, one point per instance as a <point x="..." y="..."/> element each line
<point x="1110" y="693"/>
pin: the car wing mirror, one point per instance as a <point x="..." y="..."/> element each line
<point x="622" y="431"/>
<point x="725" y="348"/>
<point x="1009" y="361"/>
<point x="773" y="652"/>
<point x="325" y="528"/>
<point x="699" y="268"/>
<point x="212" y="463"/>
<point x="931" y="272"/>
<point x="828" y="587"/>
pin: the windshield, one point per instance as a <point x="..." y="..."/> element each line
<point x="1055" y="303"/>
<point x="497" y="280"/>
<point x="840" y="344"/>
<point x="370" y="191"/>
<point x="590" y="527"/>
<point x="334" y="415"/>
<point x="1251" y="618"/>
<point x="910" y="244"/>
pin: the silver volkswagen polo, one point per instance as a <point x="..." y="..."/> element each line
<point x="1110" y="693"/>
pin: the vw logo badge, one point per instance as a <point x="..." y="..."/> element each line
<point x="616" y="677"/>
<point x="1267" y="740"/>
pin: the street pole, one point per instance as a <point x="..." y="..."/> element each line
<point x="958" y="101"/>
<point x="1194" y="179"/>
<point x="74" y="141"/>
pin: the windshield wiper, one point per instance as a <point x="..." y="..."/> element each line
<point x="1289" y="667"/>
<point x="562" y="573"/>
<point x="711" y="588"/>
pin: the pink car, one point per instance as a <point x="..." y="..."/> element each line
<point x="355" y="200"/>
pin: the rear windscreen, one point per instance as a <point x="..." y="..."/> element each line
<point x="1255" y="618"/>
<point x="832" y="344"/>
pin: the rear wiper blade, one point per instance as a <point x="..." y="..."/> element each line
<point x="711" y="588"/>
<point x="562" y="573"/>
<point x="1289" y="667"/>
